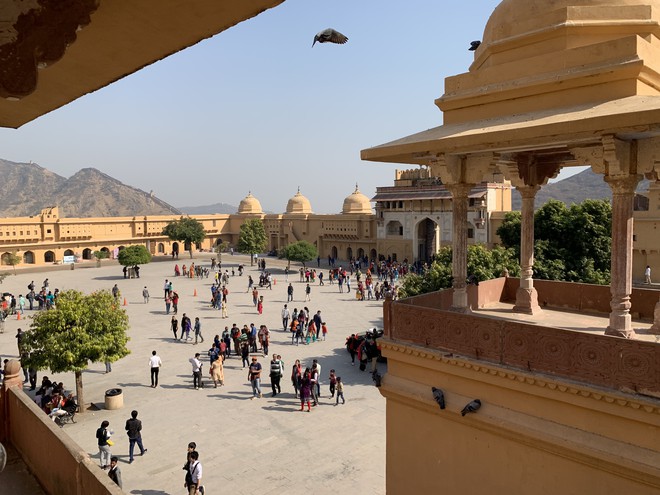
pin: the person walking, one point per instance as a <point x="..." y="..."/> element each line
<point x="305" y="390"/>
<point x="168" y="303"/>
<point x="217" y="372"/>
<point x="647" y="275"/>
<point x="145" y="294"/>
<point x="224" y="308"/>
<point x="196" y="371"/>
<point x="195" y="469"/>
<point x="289" y="293"/>
<point x="134" y="431"/>
<point x="254" y="375"/>
<point x="308" y="292"/>
<point x="285" y="317"/>
<point x="296" y="376"/>
<point x="103" y="439"/>
<point x="198" y="330"/>
<point x="154" y="364"/>
<point x="340" y="391"/>
<point x="276" y="375"/>
<point x="175" y="327"/>
<point x="115" y="473"/>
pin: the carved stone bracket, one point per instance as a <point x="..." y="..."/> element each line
<point x="456" y="169"/>
<point x="38" y="38"/>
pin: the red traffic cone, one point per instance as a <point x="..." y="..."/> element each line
<point x="195" y="293"/>
<point x="274" y="281"/>
<point x="125" y="303"/>
<point x="18" y="316"/>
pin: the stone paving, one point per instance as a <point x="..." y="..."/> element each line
<point x="246" y="446"/>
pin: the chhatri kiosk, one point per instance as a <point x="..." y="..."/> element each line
<point x="554" y="83"/>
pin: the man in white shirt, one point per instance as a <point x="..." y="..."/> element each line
<point x="197" y="371"/>
<point x="285" y="318"/>
<point x="154" y="363"/>
<point x="195" y="468"/>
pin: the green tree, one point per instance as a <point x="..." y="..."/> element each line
<point x="570" y="243"/>
<point x="186" y="230"/>
<point x="252" y="238"/>
<point x="484" y="263"/>
<point x="301" y="251"/>
<point x="12" y="259"/>
<point x="81" y="328"/>
<point x="134" y="255"/>
<point x="100" y="255"/>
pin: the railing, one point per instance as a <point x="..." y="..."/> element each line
<point x="612" y="362"/>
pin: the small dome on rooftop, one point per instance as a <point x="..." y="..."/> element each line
<point x="250" y="204"/>
<point x="357" y="203"/>
<point x="299" y="204"/>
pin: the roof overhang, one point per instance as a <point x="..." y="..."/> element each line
<point x="50" y="56"/>
<point x="635" y="117"/>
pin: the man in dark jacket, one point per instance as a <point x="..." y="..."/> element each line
<point x="134" y="432"/>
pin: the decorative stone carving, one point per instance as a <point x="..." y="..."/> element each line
<point x="625" y="365"/>
<point x="40" y="38"/>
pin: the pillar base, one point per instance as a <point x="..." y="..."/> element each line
<point x="466" y="310"/>
<point x="615" y="332"/>
<point x="527" y="302"/>
<point x="655" y="329"/>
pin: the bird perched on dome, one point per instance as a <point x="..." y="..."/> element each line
<point x="330" y="36"/>
<point x="474" y="45"/>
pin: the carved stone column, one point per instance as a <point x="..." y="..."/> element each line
<point x="526" y="296"/>
<point x="623" y="193"/>
<point x="459" y="194"/>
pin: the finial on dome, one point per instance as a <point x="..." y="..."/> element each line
<point x="356" y="187"/>
<point x="298" y="189"/>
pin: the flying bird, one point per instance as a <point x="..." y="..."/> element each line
<point x="439" y="397"/>
<point x="376" y="377"/>
<point x="330" y="36"/>
<point x="471" y="407"/>
<point x="474" y="45"/>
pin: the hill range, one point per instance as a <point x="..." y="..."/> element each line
<point x="27" y="188"/>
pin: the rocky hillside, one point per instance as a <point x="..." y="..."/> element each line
<point x="26" y="188"/>
<point x="575" y="189"/>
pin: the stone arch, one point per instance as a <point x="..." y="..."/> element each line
<point x="28" y="258"/>
<point x="333" y="252"/>
<point x="175" y="247"/>
<point x="373" y="255"/>
<point x="121" y="248"/>
<point x="49" y="257"/>
<point x="87" y="254"/>
<point x="4" y="259"/>
<point x="161" y="248"/>
<point x="69" y="252"/>
<point x="105" y="250"/>
<point x="360" y="253"/>
<point x="427" y="239"/>
<point x="349" y="253"/>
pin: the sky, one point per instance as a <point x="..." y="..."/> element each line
<point x="257" y="109"/>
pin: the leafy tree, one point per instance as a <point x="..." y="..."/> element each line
<point x="134" y="255"/>
<point x="571" y="243"/>
<point x="187" y="230"/>
<point x="3" y="276"/>
<point x="12" y="259"/>
<point x="81" y="328"/>
<point x="483" y="263"/>
<point x="301" y="251"/>
<point x="252" y="238"/>
<point x="100" y="255"/>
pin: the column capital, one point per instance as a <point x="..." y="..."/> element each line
<point x="528" y="192"/>
<point x="623" y="184"/>
<point x="460" y="189"/>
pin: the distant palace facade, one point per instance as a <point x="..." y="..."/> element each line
<point x="412" y="221"/>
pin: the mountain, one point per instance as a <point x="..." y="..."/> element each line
<point x="574" y="189"/>
<point x="26" y="188"/>
<point x="222" y="208"/>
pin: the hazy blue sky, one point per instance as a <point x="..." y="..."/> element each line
<point x="256" y="108"/>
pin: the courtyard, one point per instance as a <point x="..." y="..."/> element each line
<point x="246" y="446"/>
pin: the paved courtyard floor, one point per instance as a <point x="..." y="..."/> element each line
<point x="246" y="446"/>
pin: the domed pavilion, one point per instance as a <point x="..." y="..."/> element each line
<point x="299" y="204"/>
<point x="250" y="205"/>
<point x="356" y="202"/>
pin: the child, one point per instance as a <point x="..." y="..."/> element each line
<point x="324" y="329"/>
<point x="340" y="391"/>
<point x="333" y="383"/>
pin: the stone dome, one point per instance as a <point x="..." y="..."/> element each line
<point x="514" y="18"/>
<point x="299" y="204"/>
<point x="357" y="203"/>
<point x="249" y="205"/>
